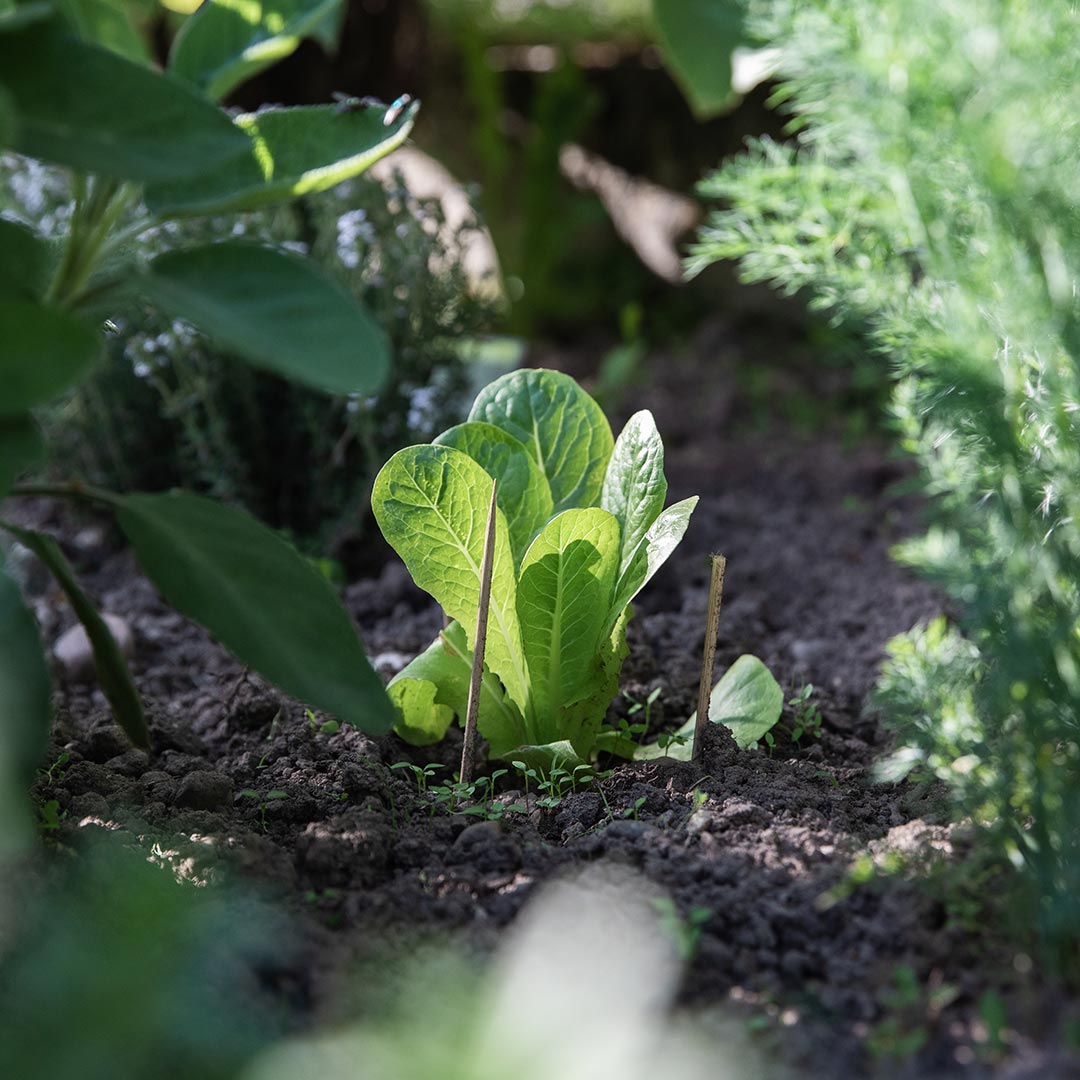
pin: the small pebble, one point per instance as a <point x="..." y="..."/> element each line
<point x="75" y="655"/>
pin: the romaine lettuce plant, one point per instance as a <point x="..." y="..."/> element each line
<point x="580" y="528"/>
<point x="79" y="88"/>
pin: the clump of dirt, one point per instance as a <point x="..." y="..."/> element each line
<point x="245" y="785"/>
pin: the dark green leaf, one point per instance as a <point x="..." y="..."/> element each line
<point x="9" y="122"/>
<point x="275" y="310"/>
<point x="25" y="263"/>
<point x="107" y="23"/>
<point x="291" y="152"/>
<point x="15" y="16"/>
<point x="112" y="669"/>
<point x="44" y="351"/>
<point x="226" y="42"/>
<point x="20" y="447"/>
<point x="265" y="602"/>
<point x="25" y="712"/>
<point x="83" y="106"/>
<point x="697" y="38"/>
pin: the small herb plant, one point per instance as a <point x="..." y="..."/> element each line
<point x="580" y="528"/>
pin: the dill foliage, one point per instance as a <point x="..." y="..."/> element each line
<point x="928" y="196"/>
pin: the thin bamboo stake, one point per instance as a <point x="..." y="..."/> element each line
<point x="468" y="749"/>
<point x="716" y="597"/>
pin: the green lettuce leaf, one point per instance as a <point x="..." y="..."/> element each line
<point x="652" y="551"/>
<point x="523" y="494"/>
<point x="564" y="592"/>
<point x="563" y="429"/>
<point x="634" y="485"/>
<point x="748" y="700"/>
<point x="431" y="503"/>
<point x="445" y="667"/>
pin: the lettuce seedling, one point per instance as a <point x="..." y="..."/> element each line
<point x="580" y="528"/>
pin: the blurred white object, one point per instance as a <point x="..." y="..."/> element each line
<point x="580" y="991"/>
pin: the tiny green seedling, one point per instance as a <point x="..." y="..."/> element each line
<point x="327" y="727"/>
<point x="56" y="769"/>
<point x="422" y="774"/>
<point x="807" y="719"/>
<point x="264" y="800"/>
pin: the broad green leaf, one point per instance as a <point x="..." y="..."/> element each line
<point x="107" y="23"/>
<point x="20" y="447"/>
<point x="265" y="602"/>
<point x="582" y="722"/>
<point x="43" y="352"/>
<point x="634" y="485"/>
<point x="25" y="713"/>
<point x="112" y="669"/>
<point x="446" y="667"/>
<point x="422" y="721"/>
<point x="564" y="430"/>
<point x="431" y="503"/>
<point x="226" y="42"/>
<point x="25" y="263"/>
<point x="15" y="16"/>
<point x="747" y="699"/>
<point x="652" y="551"/>
<point x="83" y="106"/>
<point x="697" y="38"/>
<point x="327" y="31"/>
<point x="564" y="594"/>
<point x="523" y="493"/>
<point x="275" y="310"/>
<point x="292" y="152"/>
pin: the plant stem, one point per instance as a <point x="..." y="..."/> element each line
<point x="468" y="749"/>
<point x="716" y="596"/>
<point x="98" y="209"/>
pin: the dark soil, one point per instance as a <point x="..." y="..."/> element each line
<point x="766" y="841"/>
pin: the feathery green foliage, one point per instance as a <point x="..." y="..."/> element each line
<point x="929" y="197"/>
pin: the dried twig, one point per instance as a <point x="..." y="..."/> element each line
<point x="716" y="596"/>
<point x="468" y="749"/>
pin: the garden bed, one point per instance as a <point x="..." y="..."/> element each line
<point x="244" y="786"/>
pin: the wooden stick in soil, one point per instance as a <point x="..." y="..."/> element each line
<point x="468" y="749"/>
<point x="716" y="596"/>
